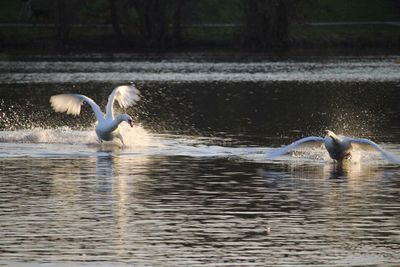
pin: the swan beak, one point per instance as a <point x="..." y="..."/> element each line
<point x="130" y="123"/>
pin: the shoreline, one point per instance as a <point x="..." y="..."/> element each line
<point x="201" y="55"/>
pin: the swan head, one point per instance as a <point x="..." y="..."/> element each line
<point x="127" y="118"/>
<point x="329" y="133"/>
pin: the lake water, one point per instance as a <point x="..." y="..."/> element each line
<point x="194" y="186"/>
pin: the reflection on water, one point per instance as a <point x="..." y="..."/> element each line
<point x="181" y="211"/>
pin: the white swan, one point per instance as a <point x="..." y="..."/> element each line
<point x="107" y="125"/>
<point x="339" y="147"/>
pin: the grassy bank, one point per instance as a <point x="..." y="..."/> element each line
<point x="84" y="39"/>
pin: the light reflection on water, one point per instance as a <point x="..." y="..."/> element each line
<point x="205" y="200"/>
<point x="180" y="211"/>
<point x="350" y="69"/>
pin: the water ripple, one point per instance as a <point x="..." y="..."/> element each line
<point x="50" y="72"/>
<point x="179" y="211"/>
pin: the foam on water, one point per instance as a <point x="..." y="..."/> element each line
<point x="134" y="137"/>
<point x="68" y="142"/>
<point x="62" y="135"/>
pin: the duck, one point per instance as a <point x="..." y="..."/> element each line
<point x="340" y="148"/>
<point x="108" y="125"/>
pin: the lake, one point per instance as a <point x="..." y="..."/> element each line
<point x="195" y="186"/>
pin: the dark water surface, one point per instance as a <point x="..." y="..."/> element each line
<point x="194" y="186"/>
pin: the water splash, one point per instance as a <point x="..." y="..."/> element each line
<point x="320" y="155"/>
<point x="354" y="122"/>
<point x="66" y="141"/>
<point x="14" y="116"/>
<point x="137" y="136"/>
<point x="134" y="137"/>
<point x="61" y="135"/>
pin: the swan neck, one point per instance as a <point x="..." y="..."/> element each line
<point x="335" y="139"/>
<point x="115" y="123"/>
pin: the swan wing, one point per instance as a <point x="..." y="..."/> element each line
<point x="71" y="104"/>
<point x="304" y="142"/>
<point x="367" y="144"/>
<point x="126" y="95"/>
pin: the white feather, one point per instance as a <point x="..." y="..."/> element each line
<point x="71" y="104"/>
<point x="311" y="140"/>
<point x="338" y="147"/>
<point x="107" y="128"/>
<point x="367" y="144"/>
<point x="126" y="95"/>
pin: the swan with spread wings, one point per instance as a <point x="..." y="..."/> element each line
<point x="340" y="148"/>
<point x="108" y="126"/>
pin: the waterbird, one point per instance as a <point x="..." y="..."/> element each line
<point x="340" y="148"/>
<point x="108" y="126"/>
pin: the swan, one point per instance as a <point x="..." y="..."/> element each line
<point x="340" y="148"/>
<point x="107" y="127"/>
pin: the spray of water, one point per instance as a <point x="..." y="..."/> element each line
<point x="134" y="137"/>
<point x="19" y="127"/>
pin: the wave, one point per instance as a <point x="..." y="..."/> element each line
<point x="338" y="70"/>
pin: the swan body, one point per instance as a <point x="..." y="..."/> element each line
<point x="108" y="126"/>
<point x="340" y="148"/>
<point x="337" y="147"/>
